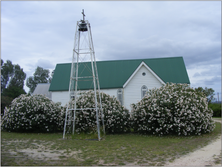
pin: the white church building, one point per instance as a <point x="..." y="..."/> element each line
<point x="128" y="80"/>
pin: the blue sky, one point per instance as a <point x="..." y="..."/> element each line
<point x="41" y="33"/>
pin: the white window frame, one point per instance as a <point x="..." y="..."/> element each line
<point x="120" y="96"/>
<point x="144" y="90"/>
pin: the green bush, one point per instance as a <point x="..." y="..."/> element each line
<point x="116" y="117"/>
<point x="173" y="109"/>
<point x="216" y="107"/>
<point x="32" y="114"/>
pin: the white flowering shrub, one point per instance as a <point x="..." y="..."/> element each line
<point x="173" y="109"/>
<point x="116" y="117"/>
<point x="34" y="113"/>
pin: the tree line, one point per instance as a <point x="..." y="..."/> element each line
<point x="13" y="79"/>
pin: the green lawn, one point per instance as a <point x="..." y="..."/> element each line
<point x="125" y="149"/>
<point x="217" y="118"/>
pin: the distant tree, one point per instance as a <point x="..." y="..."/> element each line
<point x="11" y="76"/>
<point x="40" y="76"/>
<point x="18" y="77"/>
<point x="209" y="93"/>
<point x="6" y="73"/>
<point x="50" y="78"/>
<point x="13" y="91"/>
<point x="9" y="94"/>
<point x="216" y="107"/>
<point x="12" y="82"/>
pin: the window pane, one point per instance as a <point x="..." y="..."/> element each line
<point x="143" y="91"/>
<point x="120" y="96"/>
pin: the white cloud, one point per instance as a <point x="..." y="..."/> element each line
<point x="44" y="63"/>
<point x="200" y="76"/>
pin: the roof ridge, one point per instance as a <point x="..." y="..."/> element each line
<point x="129" y="60"/>
<point x="142" y="59"/>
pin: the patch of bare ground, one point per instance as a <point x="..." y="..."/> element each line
<point x="39" y="152"/>
<point x="102" y="162"/>
<point x="49" y="154"/>
<point x="210" y="155"/>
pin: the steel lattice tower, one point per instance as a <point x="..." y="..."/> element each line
<point x="83" y="51"/>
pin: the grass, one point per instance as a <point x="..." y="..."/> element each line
<point x="122" y="149"/>
<point x="217" y="118"/>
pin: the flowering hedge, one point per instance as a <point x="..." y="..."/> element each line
<point x="173" y="109"/>
<point x="32" y="114"/>
<point x="116" y="117"/>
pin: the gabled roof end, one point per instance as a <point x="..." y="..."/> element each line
<point x="149" y="69"/>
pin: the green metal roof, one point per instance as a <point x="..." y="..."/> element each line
<point x="114" y="74"/>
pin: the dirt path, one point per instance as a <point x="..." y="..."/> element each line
<point x="208" y="155"/>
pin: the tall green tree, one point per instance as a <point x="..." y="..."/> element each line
<point x="6" y="73"/>
<point x="209" y="93"/>
<point x="11" y="76"/>
<point x="13" y="92"/>
<point x="12" y="82"/>
<point x="40" y="76"/>
<point x="50" y="78"/>
<point x="18" y="77"/>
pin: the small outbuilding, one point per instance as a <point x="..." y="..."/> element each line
<point x="43" y="89"/>
<point x="128" y="80"/>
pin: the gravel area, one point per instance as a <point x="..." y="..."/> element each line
<point x="209" y="155"/>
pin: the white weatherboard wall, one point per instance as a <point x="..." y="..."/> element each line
<point x="63" y="96"/>
<point x="132" y="91"/>
<point x="111" y="92"/>
<point x="60" y="96"/>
